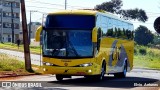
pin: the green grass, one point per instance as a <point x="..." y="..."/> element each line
<point x="11" y="65"/>
<point x="10" y="46"/>
<point x="8" y="63"/>
<point x="150" y="60"/>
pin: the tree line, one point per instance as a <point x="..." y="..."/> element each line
<point x="119" y="33"/>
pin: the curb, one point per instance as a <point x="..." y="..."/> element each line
<point x="9" y="76"/>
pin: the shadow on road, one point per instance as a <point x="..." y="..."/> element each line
<point x="127" y="82"/>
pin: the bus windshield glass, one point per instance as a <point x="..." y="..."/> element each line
<point x="67" y="43"/>
<point x="70" y="21"/>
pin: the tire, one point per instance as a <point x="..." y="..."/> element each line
<point x="59" y="77"/>
<point x="103" y="71"/>
<point x="121" y="74"/>
<point x="90" y="78"/>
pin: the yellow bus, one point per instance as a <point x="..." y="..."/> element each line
<point x="86" y="43"/>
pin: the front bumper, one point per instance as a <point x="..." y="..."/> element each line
<point x="77" y="71"/>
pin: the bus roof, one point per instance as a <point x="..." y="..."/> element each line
<point x="79" y="12"/>
<point x="110" y="15"/>
<point x="88" y="12"/>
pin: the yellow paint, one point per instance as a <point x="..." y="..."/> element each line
<point x="76" y="12"/>
<point x="94" y="34"/>
<point x="38" y="32"/>
<point x="104" y="52"/>
<point x="106" y="45"/>
<point x="71" y="63"/>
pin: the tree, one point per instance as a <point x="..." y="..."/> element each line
<point x="114" y="6"/>
<point x="156" y="39"/>
<point x="143" y="36"/>
<point x="115" y="32"/>
<point x="119" y="33"/>
<point x="110" y="32"/>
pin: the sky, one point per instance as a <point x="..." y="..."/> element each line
<point x="151" y="7"/>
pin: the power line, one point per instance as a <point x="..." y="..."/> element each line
<point x="44" y="7"/>
<point x="37" y="11"/>
<point x="152" y="12"/>
<point x="35" y="1"/>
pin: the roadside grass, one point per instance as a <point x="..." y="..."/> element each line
<point x="10" y="46"/>
<point x="8" y="63"/>
<point x="149" y="60"/>
<point x="11" y="65"/>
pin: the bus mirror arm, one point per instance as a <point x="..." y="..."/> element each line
<point x="94" y="34"/>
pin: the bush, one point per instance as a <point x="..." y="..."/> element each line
<point x="135" y="51"/>
<point x="143" y="51"/>
<point x="151" y="53"/>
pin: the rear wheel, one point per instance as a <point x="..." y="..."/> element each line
<point x="121" y="74"/>
<point x="59" y="77"/>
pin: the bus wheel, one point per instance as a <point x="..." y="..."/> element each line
<point x="121" y="74"/>
<point x="59" y="77"/>
<point x="103" y="71"/>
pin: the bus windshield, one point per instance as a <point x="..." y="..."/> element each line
<point x="67" y="43"/>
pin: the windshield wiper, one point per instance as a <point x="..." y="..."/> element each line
<point x="70" y="46"/>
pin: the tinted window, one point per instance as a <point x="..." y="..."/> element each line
<point x="70" y="21"/>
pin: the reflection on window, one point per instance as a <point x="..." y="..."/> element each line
<point x="120" y="33"/>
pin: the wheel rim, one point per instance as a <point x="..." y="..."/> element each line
<point x="125" y="71"/>
<point x="102" y="72"/>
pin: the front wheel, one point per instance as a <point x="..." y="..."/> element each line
<point x="59" y="77"/>
<point x="103" y="71"/>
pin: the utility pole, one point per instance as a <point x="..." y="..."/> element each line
<point x="25" y="38"/>
<point x="30" y="29"/>
<point x="12" y="24"/>
<point x="1" y="25"/>
<point x="30" y="25"/>
<point x="65" y="4"/>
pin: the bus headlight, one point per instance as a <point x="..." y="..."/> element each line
<point x="86" y="65"/>
<point x="47" y="64"/>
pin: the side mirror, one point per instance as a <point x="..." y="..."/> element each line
<point x="157" y="25"/>
<point x="94" y="34"/>
<point x="38" y="33"/>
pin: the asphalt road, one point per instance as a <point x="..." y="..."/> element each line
<point x="35" y="59"/>
<point x="135" y="80"/>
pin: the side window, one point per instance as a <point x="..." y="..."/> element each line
<point x="99" y="38"/>
<point x="98" y="21"/>
<point x="104" y="25"/>
<point x="110" y="28"/>
<point x="127" y="32"/>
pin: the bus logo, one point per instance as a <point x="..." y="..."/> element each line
<point x="65" y="64"/>
<point x="66" y="60"/>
